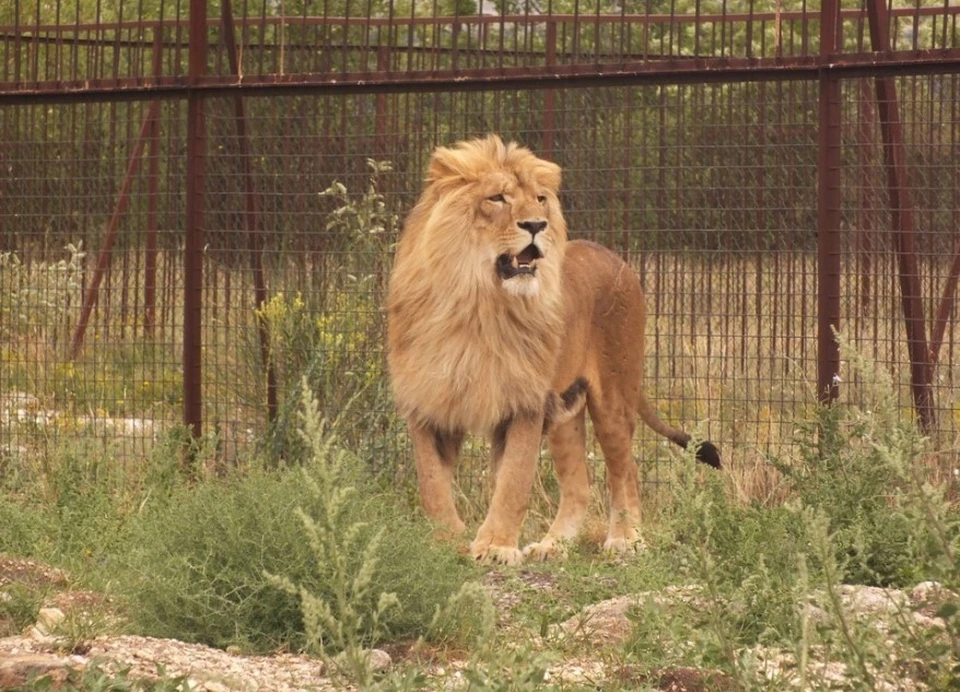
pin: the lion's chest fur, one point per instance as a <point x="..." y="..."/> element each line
<point x="477" y="365"/>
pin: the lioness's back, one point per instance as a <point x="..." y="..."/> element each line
<point x="600" y="283"/>
<point x="604" y="322"/>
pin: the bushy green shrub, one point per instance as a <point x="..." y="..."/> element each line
<point x="200" y="569"/>
<point x="865" y="469"/>
<point x="841" y="472"/>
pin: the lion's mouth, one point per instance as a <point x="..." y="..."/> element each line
<point x="522" y="264"/>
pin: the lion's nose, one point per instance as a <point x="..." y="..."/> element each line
<point x="532" y="227"/>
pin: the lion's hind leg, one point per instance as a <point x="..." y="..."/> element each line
<point x="567" y="444"/>
<point x="615" y="432"/>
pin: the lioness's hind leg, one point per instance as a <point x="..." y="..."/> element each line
<point x="436" y="458"/>
<point x="567" y="443"/>
<point x="615" y="433"/>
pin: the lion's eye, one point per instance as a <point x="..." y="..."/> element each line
<point x="542" y="199"/>
<point x="497" y="198"/>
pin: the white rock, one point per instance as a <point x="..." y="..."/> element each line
<point x="48" y="619"/>
<point x="929" y="593"/>
<point x="609" y="621"/>
<point x="42" y="638"/>
<point x="379" y="660"/>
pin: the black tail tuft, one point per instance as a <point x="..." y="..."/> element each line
<point x="707" y="453"/>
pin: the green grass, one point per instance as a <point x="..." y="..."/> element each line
<point x="189" y="555"/>
<point x="19" y="607"/>
<point x="190" y="559"/>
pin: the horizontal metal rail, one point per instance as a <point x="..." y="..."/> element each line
<point x="672" y="71"/>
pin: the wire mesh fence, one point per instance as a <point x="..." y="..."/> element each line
<point x="705" y="180"/>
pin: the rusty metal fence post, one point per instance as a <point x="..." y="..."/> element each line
<point x="193" y="243"/>
<point x="549" y="107"/>
<point x="153" y="184"/>
<point x="251" y="216"/>
<point x="901" y="210"/>
<point x="828" y="211"/>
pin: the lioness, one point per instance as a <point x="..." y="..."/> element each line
<point x="500" y="326"/>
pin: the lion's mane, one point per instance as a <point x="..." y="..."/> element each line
<point x="463" y="354"/>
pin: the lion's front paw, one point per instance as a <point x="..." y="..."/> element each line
<point x="546" y="549"/>
<point x="484" y="551"/>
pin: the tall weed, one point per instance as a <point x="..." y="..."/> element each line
<point x="37" y="298"/>
<point x="350" y="610"/>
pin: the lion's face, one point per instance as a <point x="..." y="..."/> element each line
<point x="515" y="220"/>
<point x="491" y="217"/>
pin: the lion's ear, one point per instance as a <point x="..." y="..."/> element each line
<point x="550" y="175"/>
<point x="443" y="164"/>
<point x="467" y="160"/>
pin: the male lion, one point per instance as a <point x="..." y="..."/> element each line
<point x="500" y="326"/>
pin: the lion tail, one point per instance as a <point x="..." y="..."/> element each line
<point x="707" y="452"/>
